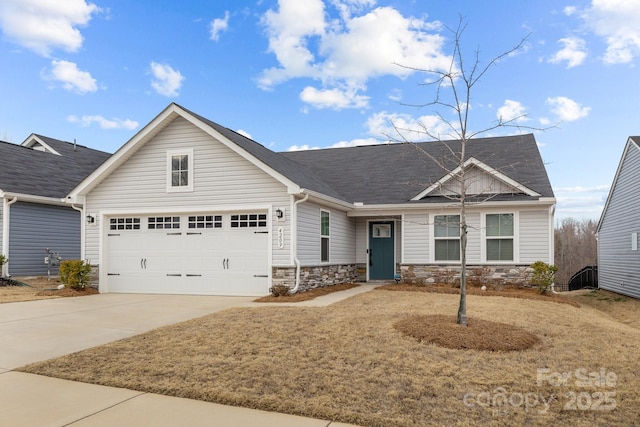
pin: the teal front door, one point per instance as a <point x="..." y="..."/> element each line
<point x="381" y="250"/>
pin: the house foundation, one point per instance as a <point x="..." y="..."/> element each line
<point x="315" y="276"/>
<point x="478" y="275"/>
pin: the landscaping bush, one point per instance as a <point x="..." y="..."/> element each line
<point x="544" y="275"/>
<point x="279" y="290"/>
<point x="74" y="273"/>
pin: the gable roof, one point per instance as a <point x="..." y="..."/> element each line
<point x="373" y="175"/>
<point x="633" y="142"/>
<point x="396" y="173"/>
<point x="28" y="171"/>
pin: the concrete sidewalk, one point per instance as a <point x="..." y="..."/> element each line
<point x="39" y="330"/>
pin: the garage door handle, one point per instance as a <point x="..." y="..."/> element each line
<point x="174" y="234"/>
<point x="260" y="275"/>
<point x="174" y="275"/>
<point x="113" y="234"/>
<point x="113" y="274"/>
<point x="194" y="275"/>
<point x="193" y="234"/>
<point x="261" y="232"/>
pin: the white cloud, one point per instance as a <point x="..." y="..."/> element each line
<point x="569" y="10"/>
<point x="334" y="98"/>
<point x="349" y="50"/>
<point x="103" y="123"/>
<point x="512" y="111"/>
<point x="403" y="127"/>
<point x="71" y="77"/>
<point x="573" y="51"/>
<point x="42" y="25"/>
<point x="166" y="81"/>
<point x="219" y="25"/>
<point x="616" y="21"/>
<point x="244" y="133"/>
<point x="567" y="109"/>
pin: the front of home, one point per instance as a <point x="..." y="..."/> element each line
<point x="190" y="207"/>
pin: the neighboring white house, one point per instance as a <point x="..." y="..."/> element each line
<point x="618" y="255"/>
<point x="190" y="207"/>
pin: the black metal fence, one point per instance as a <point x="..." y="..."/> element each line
<point x="585" y="278"/>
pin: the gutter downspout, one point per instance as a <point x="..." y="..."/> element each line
<point x="5" y="232"/>
<point x="294" y="242"/>
<point x="82" y="228"/>
<point x="552" y="241"/>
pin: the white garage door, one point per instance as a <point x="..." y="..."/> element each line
<point x="201" y="254"/>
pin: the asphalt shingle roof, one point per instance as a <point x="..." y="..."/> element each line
<point x="38" y="173"/>
<point x="395" y="173"/>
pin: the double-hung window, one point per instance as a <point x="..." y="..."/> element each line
<point x="324" y="236"/>
<point x="499" y="237"/>
<point x="447" y="237"/>
<point x="179" y="170"/>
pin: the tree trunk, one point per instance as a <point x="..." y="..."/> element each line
<point x="462" y="308"/>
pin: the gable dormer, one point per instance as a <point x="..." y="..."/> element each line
<point x="36" y="143"/>
<point x="480" y="179"/>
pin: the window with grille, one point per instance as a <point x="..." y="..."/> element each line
<point x="205" y="221"/>
<point x="163" y="222"/>
<point x="124" y="223"/>
<point x="248" y="220"/>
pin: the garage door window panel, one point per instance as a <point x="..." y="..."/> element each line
<point x="130" y="223"/>
<point x="248" y="220"/>
<point x="205" y="221"/>
<point x="163" y="223"/>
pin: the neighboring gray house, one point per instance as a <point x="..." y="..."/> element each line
<point x="618" y="254"/>
<point x="35" y="177"/>
<point x="190" y="207"/>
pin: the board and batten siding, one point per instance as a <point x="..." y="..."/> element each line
<point x="534" y="236"/>
<point x="35" y="227"/>
<point x="618" y="262"/>
<point x="222" y="180"/>
<point x="342" y="235"/>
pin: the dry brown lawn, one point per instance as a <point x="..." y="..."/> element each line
<point x="347" y="362"/>
<point x="39" y="288"/>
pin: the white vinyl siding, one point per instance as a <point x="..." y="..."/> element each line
<point x="416" y="238"/>
<point x="342" y="231"/>
<point x="223" y="180"/>
<point x="618" y="264"/>
<point x="534" y="236"/>
<point x="361" y="241"/>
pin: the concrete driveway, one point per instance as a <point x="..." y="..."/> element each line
<point x="39" y="330"/>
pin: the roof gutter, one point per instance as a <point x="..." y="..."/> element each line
<point x="340" y="204"/>
<point x="5" y="231"/>
<point x="294" y="242"/>
<point x="35" y="199"/>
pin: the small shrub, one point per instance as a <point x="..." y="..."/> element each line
<point x="74" y="273"/>
<point x="544" y="275"/>
<point x="279" y="290"/>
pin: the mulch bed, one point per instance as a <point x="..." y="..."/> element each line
<point x="308" y="295"/>
<point x="510" y="291"/>
<point x="68" y="292"/>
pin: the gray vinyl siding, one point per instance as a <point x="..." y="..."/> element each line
<point x="534" y="236"/>
<point x="618" y="264"/>
<point x="1" y="222"/>
<point x="342" y="232"/>
<point x="35" y="227"/>
<point x="222" y="180"/>
<point x="474" y="238"/>
<point x="361" y="241"/>
<point x="416" y="238"/>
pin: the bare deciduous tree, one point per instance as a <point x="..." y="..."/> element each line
<point x="453" y="93"/>
<point x="575" y="246"/>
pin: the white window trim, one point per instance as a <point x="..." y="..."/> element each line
<point x="516" y="237"/>
<point x="186" y="188"/>
<point x="432" y="239"/>
<point x="323" y="236"/>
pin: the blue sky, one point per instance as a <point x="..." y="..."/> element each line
<point x="298" y="74"/>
